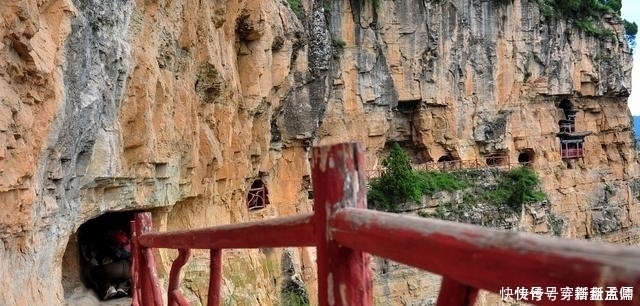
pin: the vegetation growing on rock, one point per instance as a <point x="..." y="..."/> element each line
<point x="491" y="197"/>
<point x="494" y="198"/>
<point x="295" y="6"/>
<point x="586" y="13"/>
<point x="397" y="184"/>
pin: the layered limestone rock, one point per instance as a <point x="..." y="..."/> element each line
<point x="176" y="107"/>
<point x="163" y="106"/>
<point x="478" y="79"/>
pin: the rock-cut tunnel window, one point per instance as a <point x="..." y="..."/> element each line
<point x="258" y="197"/>
<point x="105" y="254"/>
<point x="569" y="112"/>
<point x="525" y="158"/>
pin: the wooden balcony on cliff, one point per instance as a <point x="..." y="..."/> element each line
<point x="345" y="233"/>
<point x="567" y="126"/>
<point x="571" y="141"/>
<point x="571" y="150"/>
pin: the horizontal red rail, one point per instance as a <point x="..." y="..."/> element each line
<point x="489" y="259"/>
<point x="281" y="232"/>
<point x="572" y="153"/>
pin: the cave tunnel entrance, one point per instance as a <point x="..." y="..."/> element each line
<point x="526" y="157"/>
<point x="569" y="112"/>
<point x="98" y="257"/>
<point x="445" y="158"/>
<point x="565" y="104"/>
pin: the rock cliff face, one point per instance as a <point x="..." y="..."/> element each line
<point x="176" y="107"/>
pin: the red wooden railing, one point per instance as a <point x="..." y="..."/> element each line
<point x="572" y="153"/>
<point x="345" y="233"/>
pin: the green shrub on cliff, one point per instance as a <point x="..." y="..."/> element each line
<point x="630" y="30"/>
<point x="583" y="8"/>
<point x="520" y="185"/>
<point x="295" y="6"/>
<point x="400" y="184"/>
<point x="397" y="184"/>
<point x="584" y="15"/>
<point x="434" y="181"/>
<point x="495" y="199"/>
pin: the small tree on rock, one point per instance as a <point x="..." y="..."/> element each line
<point x="398" y="183"/>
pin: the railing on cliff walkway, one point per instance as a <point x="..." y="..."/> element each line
<point x="344" y="232"/>
<point x="502" y="162"/>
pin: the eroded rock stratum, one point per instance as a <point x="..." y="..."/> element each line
<point x="176" y="107"/>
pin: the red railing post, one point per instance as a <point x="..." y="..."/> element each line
<point x="174" y="295"/>
<point x="136" y="295"/>
<point x="344" y="277"/>
<point x="150" y="292"/>
<point x="453" y="293"/>
<point x="215" y="277"/>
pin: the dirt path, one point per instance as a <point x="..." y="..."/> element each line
<point x="86" y="297"/>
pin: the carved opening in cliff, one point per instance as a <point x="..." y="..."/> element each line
<point x="98" y="256"/>
<point x="402" y="125"/>
<point x="567" y="108"/>
<point x="565" y="104"/>
<point x="497" y="160"/>
<point x="526" y="157"/>
<point x="258" y="197"/>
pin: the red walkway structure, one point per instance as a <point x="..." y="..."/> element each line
<point x="345" y="233"/>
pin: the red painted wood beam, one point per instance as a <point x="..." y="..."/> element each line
<point x="145" y="288"/>
<point x="491" y="259"/>
<point x="150" y="285"/>
<point x="281" y="232"/>
<point x="454" y="293"/>
<point x="215" y="277"/>
<point x="338" y="175"/>
<point x="136" y="294"/>
<point x="174" y="295"/>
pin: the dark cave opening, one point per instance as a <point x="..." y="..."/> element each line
<point x="526" y="157"/>
<point x="103" y="255"/>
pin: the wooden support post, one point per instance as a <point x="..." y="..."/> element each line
<point x="135" y="266"/>
<point x="215" y="277"/>
<point x="453" y="293"/>
<point x="150" y="286"/>
<point x="174" y="296"/>
<point x="145" y="292"/>
<point x="344" y="276"/>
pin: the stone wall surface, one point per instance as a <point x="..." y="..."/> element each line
<point x="176" y="107"/>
